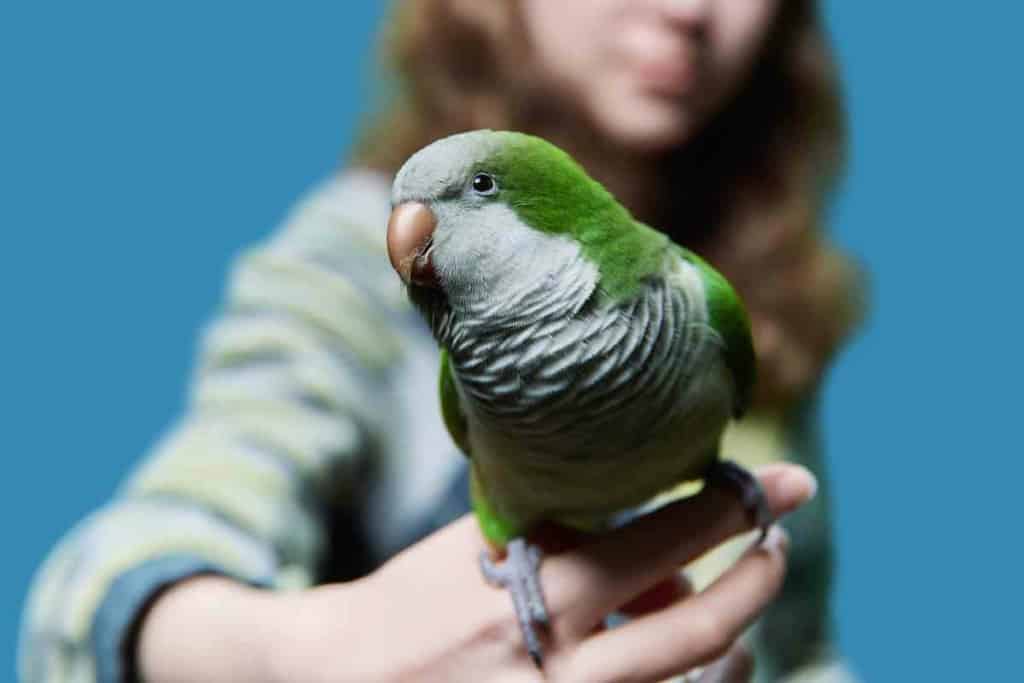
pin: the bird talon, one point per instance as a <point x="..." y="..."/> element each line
<point x="518" y="574"/>
<point x="751" y="494"/>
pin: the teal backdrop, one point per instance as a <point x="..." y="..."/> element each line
<point x="141" y="148"/>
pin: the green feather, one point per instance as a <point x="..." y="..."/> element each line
<point x="451" y="411"/>
<point x="496" y="529"/>
<point x="552" y="193"/>
<point x="731" y="322"/>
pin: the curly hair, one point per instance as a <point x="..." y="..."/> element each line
<point x="747" y="192"/>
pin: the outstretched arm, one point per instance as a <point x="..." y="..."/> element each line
<point x="427" y="615"/>
<point x="283" y="411"/>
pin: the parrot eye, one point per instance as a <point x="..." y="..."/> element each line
<point x="483" y="184"/>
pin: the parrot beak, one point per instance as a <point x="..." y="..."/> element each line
<point x="410" y="240"/>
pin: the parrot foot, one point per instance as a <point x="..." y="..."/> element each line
<point x="518" y="574"/>
<point x="751" y="495"/>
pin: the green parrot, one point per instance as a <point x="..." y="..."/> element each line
<point x="587" y="362"/>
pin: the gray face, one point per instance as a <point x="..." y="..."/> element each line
<point x="481" y="249"/>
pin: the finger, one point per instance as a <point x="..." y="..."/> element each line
<point x="737" y="666"/>
<point x="692" y="633"/>
<point x="663" y="594"/>
<point x="587" y="583"/>
<point x="659" y="596"/>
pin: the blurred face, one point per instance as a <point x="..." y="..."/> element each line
<point x="647" y="73"/>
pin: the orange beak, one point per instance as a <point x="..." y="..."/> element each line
<point x="410" y="237"/>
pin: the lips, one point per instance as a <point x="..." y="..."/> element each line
<point x="669" y="76"/>
<point x="663" y="60"/>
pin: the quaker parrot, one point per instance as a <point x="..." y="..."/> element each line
<point x="587" y="362"/>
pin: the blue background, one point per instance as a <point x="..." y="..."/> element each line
<point x="140" y="149"/>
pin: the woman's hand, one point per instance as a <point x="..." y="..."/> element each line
<point x="428" y="615"/>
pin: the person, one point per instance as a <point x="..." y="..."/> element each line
<point x="313" y="450"/>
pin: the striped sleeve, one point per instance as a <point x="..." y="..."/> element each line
<point x="284" y="410"/>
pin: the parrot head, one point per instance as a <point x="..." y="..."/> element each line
<point x="479" y="216"/>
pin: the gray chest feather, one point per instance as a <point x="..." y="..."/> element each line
<point x="569" y="375"/>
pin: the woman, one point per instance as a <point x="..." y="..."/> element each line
<point x="313" y="447"/>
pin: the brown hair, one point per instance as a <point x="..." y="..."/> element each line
<point x="751" y="185"/>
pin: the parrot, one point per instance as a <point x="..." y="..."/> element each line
<point x="588" y="363"/>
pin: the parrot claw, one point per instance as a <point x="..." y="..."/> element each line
<point x="534" y="555"/>
<point x="518" y="574"/>
<point x="751" y="495"/>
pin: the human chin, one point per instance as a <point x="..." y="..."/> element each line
<point x="647" y="125"/>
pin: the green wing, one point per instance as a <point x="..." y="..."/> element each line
<point x="451" y="412"/>
<point x="730" y="320"/>
<point x="496" y="529"/>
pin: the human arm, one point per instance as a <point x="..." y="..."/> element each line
<point x="283" y="418"/>
<point x="427" y="615"/>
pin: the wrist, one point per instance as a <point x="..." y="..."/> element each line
<point x="312" y="639"/>
<point x="208" y="627"/>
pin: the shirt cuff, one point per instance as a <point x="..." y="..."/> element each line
<point x="116" y="621"/>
